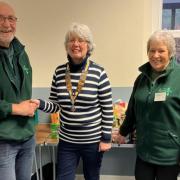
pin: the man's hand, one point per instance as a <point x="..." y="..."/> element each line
<point x="24" y="108"/>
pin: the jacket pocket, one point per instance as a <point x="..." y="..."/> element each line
<point x="174" y="137"/>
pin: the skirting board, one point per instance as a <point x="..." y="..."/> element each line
<point x="107" y="177"/>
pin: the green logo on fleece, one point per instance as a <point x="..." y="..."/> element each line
<point x="26" y="69"/>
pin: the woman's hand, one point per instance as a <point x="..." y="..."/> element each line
<point x="36" y="102"/>
<point x="104" y="146"/>
<point x="121" y="139"/>
<point x="118" y="138"/>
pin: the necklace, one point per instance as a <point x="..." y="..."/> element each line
<point x="73" y="94"/>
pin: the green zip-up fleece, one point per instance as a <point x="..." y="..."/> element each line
<point x="154" y="111"/>
<point x="14" y="127"/>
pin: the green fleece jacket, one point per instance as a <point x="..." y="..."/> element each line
<point x="154" y="111"/>
<point x="13" y="127"/>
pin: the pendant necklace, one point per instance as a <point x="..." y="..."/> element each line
<point x="73" y="94"/>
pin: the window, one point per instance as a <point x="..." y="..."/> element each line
<point x="177" y="49"/>
<point x="171" y="21"/>
<point x="171" y="15"/>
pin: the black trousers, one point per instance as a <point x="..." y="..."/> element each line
<point x="69" y="155"/>
<point x="148" y="171"/>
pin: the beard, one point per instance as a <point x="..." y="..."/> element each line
<point x="5" y="39"/>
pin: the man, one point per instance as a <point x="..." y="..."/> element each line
<point x="17" y="141"/>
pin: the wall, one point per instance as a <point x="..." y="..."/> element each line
<point x="120" y="30"/>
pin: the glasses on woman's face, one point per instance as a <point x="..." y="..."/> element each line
<point x="10" y="19"/>
<point x="77" y="40"/>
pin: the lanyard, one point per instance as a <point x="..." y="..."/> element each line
<point x="73" y="94"/>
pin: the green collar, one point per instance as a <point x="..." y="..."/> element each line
<point x="147" y="69"/>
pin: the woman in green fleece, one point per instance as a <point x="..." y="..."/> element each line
<point x="154" y="112"/>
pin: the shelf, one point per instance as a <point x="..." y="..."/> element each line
<point x="123" y="145"/>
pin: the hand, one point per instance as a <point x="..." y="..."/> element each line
<point x="115" y="135"/>
<point x="104" y="146"/>
<point x="121" y="139"/>
<point x="24" y="108"/>
<point x="36" y="101"/>
<point x="118" y="138"/>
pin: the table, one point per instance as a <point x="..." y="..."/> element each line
<point x="43" y="138"/>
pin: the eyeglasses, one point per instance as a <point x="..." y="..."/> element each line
<point x="11" y="19"/>
<point x="80" y="41"/>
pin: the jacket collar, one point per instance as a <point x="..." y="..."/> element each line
<point x="17" y="46"/>
<point x="146" y="68"/>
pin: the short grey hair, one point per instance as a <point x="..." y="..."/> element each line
<point x="81" y="31"/>
<point x="167" y="38"/>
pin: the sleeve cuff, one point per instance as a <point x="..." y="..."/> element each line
<point x="106" y="138"/>
<point x="41" y="105"/>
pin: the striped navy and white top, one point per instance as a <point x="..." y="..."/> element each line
<point x="92" y="120"/>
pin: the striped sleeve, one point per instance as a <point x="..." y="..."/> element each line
<point x="105" y="98"/>
<point x="52" y="105"/>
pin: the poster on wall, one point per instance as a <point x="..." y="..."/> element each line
<point x="177" y="39"/>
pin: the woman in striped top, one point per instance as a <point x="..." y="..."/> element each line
<point x="81" y="91"/>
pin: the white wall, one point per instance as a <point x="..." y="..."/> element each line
<point x="120" y="29"/>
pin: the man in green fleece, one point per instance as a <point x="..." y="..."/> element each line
<point x="17" y="141"/>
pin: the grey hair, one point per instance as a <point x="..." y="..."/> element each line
<point x="167" y="38"/>
<point x="81" y="31"/>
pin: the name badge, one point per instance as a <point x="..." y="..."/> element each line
<point x="160" y="96"/>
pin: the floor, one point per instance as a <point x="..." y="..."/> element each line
<point x="107" y="177"/>
<point x="117" y="178"/>
<point x="80" y="177"/>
